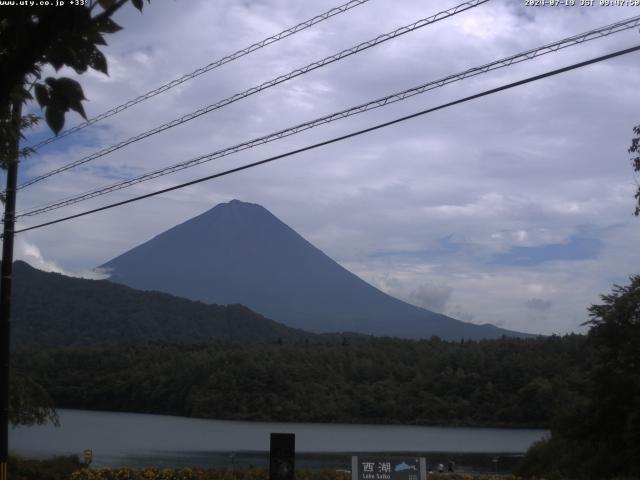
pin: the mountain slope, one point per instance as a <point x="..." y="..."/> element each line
<point x="52" y="310"/>
<point x="240" y="253"/>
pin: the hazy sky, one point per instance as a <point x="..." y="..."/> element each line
<point x="514" y="209"/>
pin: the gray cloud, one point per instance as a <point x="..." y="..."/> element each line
<point x="459" y="313"/>
<point x="431" y="296"/>
<point x="538" y="304"/>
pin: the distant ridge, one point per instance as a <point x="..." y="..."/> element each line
<point x="53" y="311"/>
<point x="240" y="253"/>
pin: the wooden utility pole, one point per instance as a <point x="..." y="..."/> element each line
<point x="5" y="284"/>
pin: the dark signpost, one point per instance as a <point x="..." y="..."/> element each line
<point x="282" y="456"/>
<point x="388" y="468"/>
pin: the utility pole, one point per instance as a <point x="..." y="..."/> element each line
<point x="5" y="284"/>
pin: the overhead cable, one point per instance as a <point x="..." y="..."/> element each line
<point x="207" y="68"/>
<point x="340" y="138"/>
<point x="263" y="86"/>
<point x="380" y="102"/>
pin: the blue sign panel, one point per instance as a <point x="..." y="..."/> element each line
<point x="388" y="468"/>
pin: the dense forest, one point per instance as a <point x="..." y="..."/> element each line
<point x="507" y="382"/>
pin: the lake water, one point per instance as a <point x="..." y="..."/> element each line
<point x="139" y="440"/>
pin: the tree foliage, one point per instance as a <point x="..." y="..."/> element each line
<point x="598" y="434"/>
<point x="29" y="402"/>
<point x="57" y="468"/>
<point x="507" y="382"/>
<point x="635" y="149"/>
<point x="32" y="37"/>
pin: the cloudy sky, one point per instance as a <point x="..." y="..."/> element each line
<point x="514" y="209"/>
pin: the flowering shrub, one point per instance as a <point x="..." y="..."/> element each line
<point x="196" y="474"/>
<point x="57" y="468"/>
<point x="248" y="474"/>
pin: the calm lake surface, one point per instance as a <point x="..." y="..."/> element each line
<point x="139" y="440"/>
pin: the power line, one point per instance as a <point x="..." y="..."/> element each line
<point x="380" y="102"/>
<point x="343" y="137"/>
<point x="207" y="68"/>
<point x="263" y="86"/>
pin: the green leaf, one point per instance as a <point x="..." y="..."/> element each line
<point x="76" y="106"/>
<point x="106" y="25"/>
<point x="98" y="62"/>
<point x="55" y="119"/>
<point x="42" y="94"/>
<point x="95" y="38"/>
<point x="64" y="94"/>
<point x="77" y="63"/>
<point x="77" y="56"/>
<point x="138" y="4"/>
<point x="69" y="88"/>
<point x="26" y="152"/>
<point x="28" y="121"/>
<point x="55" y="57"/>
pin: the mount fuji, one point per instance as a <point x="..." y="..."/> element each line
<point x="240" y="253"/>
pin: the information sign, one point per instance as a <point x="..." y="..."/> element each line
<point x="388" y="468"/>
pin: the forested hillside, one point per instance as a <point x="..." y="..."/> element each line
<point x="507" y="382"/>
<point x="52" y="311"/>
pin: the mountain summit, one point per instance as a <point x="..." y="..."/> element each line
<point x="241" y="253"/>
